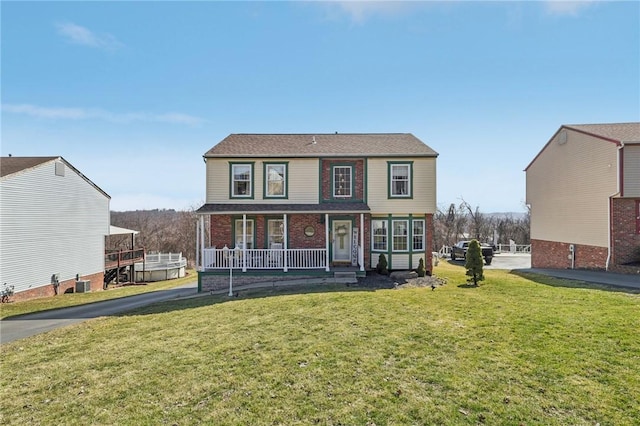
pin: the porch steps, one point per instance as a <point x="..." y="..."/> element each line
<point x="345" y="276"/>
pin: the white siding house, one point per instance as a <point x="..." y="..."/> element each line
<point x="53" y="223"/>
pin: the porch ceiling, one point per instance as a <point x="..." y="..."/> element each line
<point x="283" y="208"/>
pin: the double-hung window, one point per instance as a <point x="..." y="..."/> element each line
<point x="380" y="234"/>
<point x="275" y="177"/>
<point x="241" y="180"/>
<point x="418" y="234"/>
<point x="400" y="180"/>
<point x="400" y="236"/>
<point x="244" y="234"/>
<point x="342" y="181"/>
<point x="275" y="230"/>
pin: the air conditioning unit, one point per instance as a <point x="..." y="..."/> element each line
<point x="83" y="286"/>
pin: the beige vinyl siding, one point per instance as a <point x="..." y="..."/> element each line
<point x="302" y="175"/>
<point x="631" y="174"/>
<point x="423" y="187"/>
<point x="568" y="187"/>
<point x="49" y="225"/>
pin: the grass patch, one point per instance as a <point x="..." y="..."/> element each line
<point x="512" y="351"/>
<point x="74" y="299"/>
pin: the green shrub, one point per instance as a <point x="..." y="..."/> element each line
<point x="474" y="263"/>
<point x="421" y="271"/>
<point x="382" y="266"/>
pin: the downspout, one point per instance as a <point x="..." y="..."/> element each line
<point x="619" y="191"/>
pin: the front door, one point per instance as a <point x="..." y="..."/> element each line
<point x="341" y="238"/>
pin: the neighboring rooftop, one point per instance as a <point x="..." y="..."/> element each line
<point x="321" y="145"/>
<point x="11" y="165"/>
<point x="618" y="132"/>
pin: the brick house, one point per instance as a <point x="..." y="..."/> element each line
<point x="584" y="192"/>
<point x="287" y="204"/>
<point x="53" y="223"/>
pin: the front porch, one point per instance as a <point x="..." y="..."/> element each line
<point x="282" y="243"/>
<point x="274" y="260"/>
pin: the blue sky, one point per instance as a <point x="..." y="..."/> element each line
<point x="134" y="93"/>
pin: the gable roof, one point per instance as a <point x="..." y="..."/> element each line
<point x="613" y="132"/>
<point x="321" y="145"/>
<point x="618" y="133"/>
<point x="13" y="165"/>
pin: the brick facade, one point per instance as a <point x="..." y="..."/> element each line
<point x="358" y="177"/>
<point x="625" y="234"/>
<point x="221" y="229"/>
<point x="556" y="255"/>
<point x="67" y="286"/>
<point x="222" y="232"/>
<point x="429" y="248"/>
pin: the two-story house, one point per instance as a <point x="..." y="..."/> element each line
<point x="584" y="192"/>
<point x="53" y="224"/>
<point x="315" y="204"/>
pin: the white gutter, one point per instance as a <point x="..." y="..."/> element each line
<point x="619" y="180"/>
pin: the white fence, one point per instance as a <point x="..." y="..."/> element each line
<point x="264" y="258"/>
<point x="445" y="251"/>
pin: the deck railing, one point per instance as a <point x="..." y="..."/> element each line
<point x="264" y="258"/>
<point x="118" y="258"/>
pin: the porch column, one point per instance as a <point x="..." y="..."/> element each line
<point x="326" y="234"/>
<point x="361" y="260"/>
<point x="202" y="243"/>
<point x="284" y="242"/>
<point x="198" y="244"/>
<point x="244" y="242"/>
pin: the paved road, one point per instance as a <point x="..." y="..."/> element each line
<point x="27" y="325"/>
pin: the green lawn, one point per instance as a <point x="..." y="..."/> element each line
<point x="516" y="350"/>
<point x="74" y="299"/>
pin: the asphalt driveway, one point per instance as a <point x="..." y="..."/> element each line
<point x="28" y="325"/>
<point x="597" y="277"/>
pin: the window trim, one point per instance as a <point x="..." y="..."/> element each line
<point x="393" y="235"/>
<point x="413" y="235"/>
<point x="232" y="181"/>
<point x="373" y="235"/>
<point x="267" y="229"/>
<point x="390" y="166"/>
<point x="333" y="181"/>
<point x="236" y="234"/>
<point x="265" y="173"/>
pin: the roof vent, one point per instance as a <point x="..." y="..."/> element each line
<point x="59" y="168"/>
<point x="562" y="137"/>
<point x="314" y="140"/>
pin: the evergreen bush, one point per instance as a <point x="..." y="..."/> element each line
<point x="421" y="271"/>
<point x="382" y="265"/>
<point x="474" y="263"/>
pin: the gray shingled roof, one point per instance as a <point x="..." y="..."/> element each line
<point x="619" y="132"/>
<point x="326" y="145"/>
<point x="11" y="165"/>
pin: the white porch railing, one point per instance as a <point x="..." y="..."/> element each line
<point x="225" y="258"/>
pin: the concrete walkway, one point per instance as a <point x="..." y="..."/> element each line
<point x="598" y="277"/>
